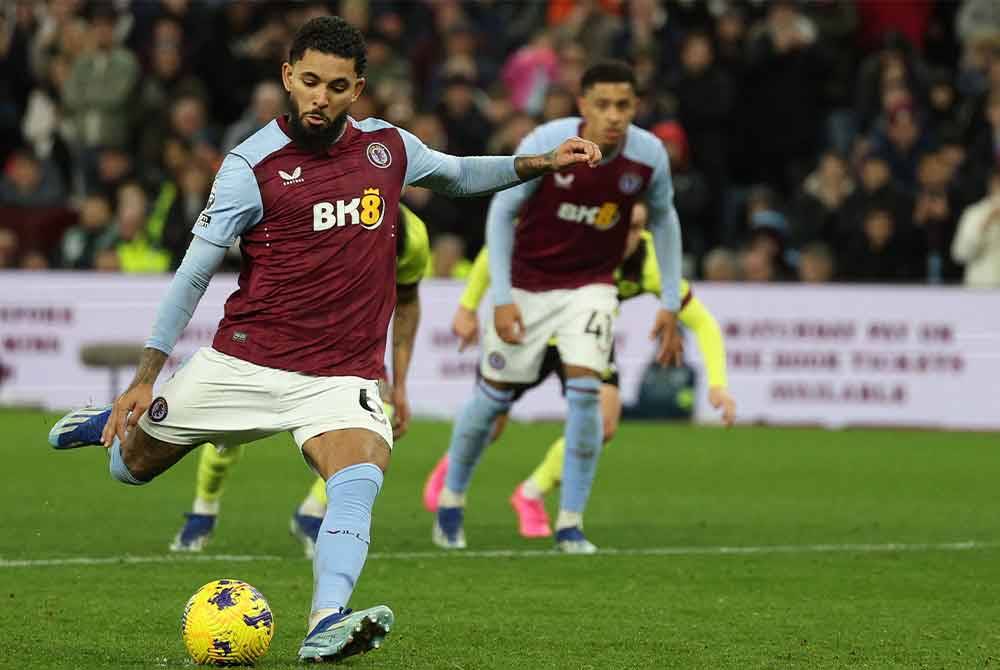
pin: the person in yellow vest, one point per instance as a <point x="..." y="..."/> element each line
<point x="214" y="465"/>
<point x="638" y="274"/>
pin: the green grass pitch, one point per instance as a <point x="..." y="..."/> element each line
<point x="822" y="590"/>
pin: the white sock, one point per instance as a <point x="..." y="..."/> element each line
<point x="318" y="616"/>
<point x="568" y="520"/>
<point x="210" y="507"/>
<point x="529" y="489"/>
<point x="449" y="498"/>
<point x="312" y="507"/>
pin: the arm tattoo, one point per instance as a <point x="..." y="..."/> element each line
<point x="149" y="366"/>
<point x="529" y="167"/>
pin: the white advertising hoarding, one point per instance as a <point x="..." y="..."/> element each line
<point x="829" y="355"/>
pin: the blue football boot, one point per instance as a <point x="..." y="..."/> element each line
<point x="306" y="529"/>
<point x="347" y="633"/>
<point x="572" y="541"/>
<point x="195" y="533"/>
<point x="80" y="428"/>
<point x="449" y="532"/>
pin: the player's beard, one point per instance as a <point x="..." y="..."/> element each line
<point x="315" y="140"/>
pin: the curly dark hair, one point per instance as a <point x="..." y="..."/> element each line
<point x="331" y="35"/>
<point x="608" y="72"/>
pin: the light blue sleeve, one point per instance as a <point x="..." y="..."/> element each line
<point x="666" y="228"/>
<point x="185" y="291"/>
<point x="500" y="227"/>
<point x="234" y="204"/>
<point x="454" y="175"/>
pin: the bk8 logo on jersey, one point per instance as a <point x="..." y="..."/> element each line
<point x="368" y="211"/>
<point x="603" y="217"/>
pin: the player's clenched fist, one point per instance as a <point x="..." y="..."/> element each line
<point x="671" y="347"/>
<point x="465" y="326"/>
<point x="508" y="323"/>
<point x="576" y="150"/>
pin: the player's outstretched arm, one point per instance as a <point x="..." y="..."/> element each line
<point x="696" y="317"/>
<point x="482" y="175"/>
<point x="185" y="291"/>
<point x="666" y="229"/>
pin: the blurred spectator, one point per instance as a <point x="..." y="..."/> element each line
<point x="107" y="260"/>
<point x="136" y="252"/>
<point x="977" y="242"/>
<point x="933" y="218"/>
<point x="593" y="24"/>
<point x="97" y="93"/>
<point x="943" y="99"/>
<point x="8" y="248"/>
<point x="29" y="182"/>
<point x="94" y="233"/>
<point x="816" y="264"/>
<point x="875" y="186"/>
<point x="767" y="248"/>
<point x="529" y="72"/>
<point x="448" y="257"/>
<point x="468" y="127"/>
<point x="984" y="153"/>
<point x="691" y="194"/>
<point x="171" y="224"/>
<point x="268" y="103"/>
<point x="44" y="127"/>
<point x="880" y="251"/>
<point x="901" y="141"/>
<point x="757" y="265"/>
<point x="441" y="214"/>
<point x="705" y="104"/>
<point x="720" y="264"/>
<point x="388" y="76"/>
<point x="893" y="69"/>
<point x="509" y="135"/>
<point x="559" y="103"/>
<point x="34" y="260"/>
<point x="818" y="210"/>
<point x="784" y="80"/>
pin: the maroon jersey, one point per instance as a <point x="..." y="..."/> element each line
<point x="572" y="225"/>
<point x="318" y="240"/>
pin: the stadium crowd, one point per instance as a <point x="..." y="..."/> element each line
<point x="836" y="140"/>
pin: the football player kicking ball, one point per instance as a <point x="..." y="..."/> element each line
<point x="215" y="463"/>
<point x="553" y="276"/>
<point x="637" y="274"/>
<point x="314" y="198"/>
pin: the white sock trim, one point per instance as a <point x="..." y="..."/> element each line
<point x="568" y="519"/>
<point x="449" y="498"/>
<point x="202" y="506"/>
<point x="531" y="490"/>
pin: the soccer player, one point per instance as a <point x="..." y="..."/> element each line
<point x="314" y="198"/>
<point x="553" y="276"/>
<point x="637" y="274"/>
<point x="214" y="464"/>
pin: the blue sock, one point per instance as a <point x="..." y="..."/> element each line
<point x="342" y="545"/>
<point x="583" y="442"/>
<point x="118" y="468"/>
<point x="471" y="433"/>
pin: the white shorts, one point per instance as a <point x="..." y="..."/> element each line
<point x="581" y="320"/>
<point x="227" y="401"/>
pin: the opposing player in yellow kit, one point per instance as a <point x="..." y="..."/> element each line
<point x="638" y="274"/>
<point x="215" y="465"/>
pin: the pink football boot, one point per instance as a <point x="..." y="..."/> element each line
<point x="435" y="483"/>
<point x="533" y="520"/>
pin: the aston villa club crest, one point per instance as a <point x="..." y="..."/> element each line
<point x="378" y="155"/>
<point x="158" y="409"/>
<point x="630" y="183"/>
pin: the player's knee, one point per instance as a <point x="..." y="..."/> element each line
<point x="126" y="470"/>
